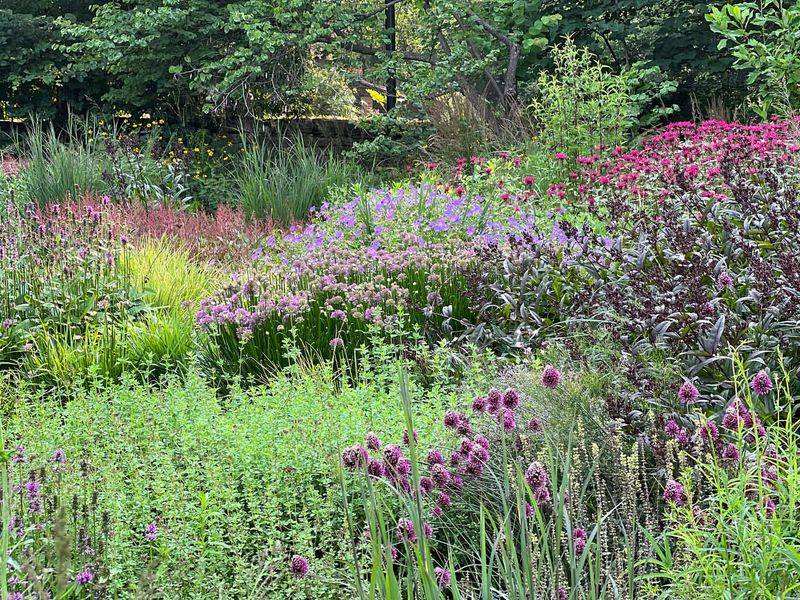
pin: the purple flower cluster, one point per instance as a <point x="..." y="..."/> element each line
<point x="538" y="479"/>
<point x="579" y="539"/>
<point x="298" y="566"/>
<point x="674" y="493"/>
<point x="761" y="383"/>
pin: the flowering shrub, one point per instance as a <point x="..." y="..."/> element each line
<point x="698" y="253"/>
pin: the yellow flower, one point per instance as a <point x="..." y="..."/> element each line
<point x="210" y="152"/>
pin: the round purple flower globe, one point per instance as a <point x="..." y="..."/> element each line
<point x="761" y="384"/>
<point x="299" y="566"/>
<point x="674" y="493"/>
<point x="442" y="577"/>
<point x="688" y="393"/>
<point x="551" y="377"/>
<point x="579" y="537"/>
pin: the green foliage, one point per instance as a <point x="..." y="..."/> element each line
<point x="740" y="538"/>
<point x="672" y="36"/>
<point x="763" y="38"/>
<point x="166" y="276"/>
<point x="235" y="488"/>
<point x="284" y="183"/>
<point x="582" y="104"/>
<point x="60" y="169"/>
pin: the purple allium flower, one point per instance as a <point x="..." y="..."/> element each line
<point x="536" y="475"/>
<point x="688" y="393"/>
<point x="85" y="577"/>
<point x="435" y="457"/>
<point x="403" y="466"/>
<point x="464" y="427"/>
<point x="442" y="577"/>
<point x="427" y="529"/>
<point x="298" y="566"/>
<point x="375" y="468"/>
<point x="373" y="442"/>
<point x="451" y="419"/>
<point x="405" y="530"/>
<point x="355" y="457"/>
<point x="709" y="433"/>
<point x="425" y="485"/>
<point x="731" y="419"/>
<point x="436" y="512"/>
<point x="511" y="399"/>
<point x="392" y="454"/>
<point x="507" y="420"/>
<point x="724" y="280"/>
<point x="579" y="537"/>
<point x="672" y="429"/>
<point x="494" y="400"/>
<point x="482" y="441"/>
<point x="761" y="383"/>
<point x="551" y="377"/>
<point x="561" y="594"/>
<point x="337" y="342"/>
<point x="16" y="596"/>
<point x="444" y="500"/>
<point x="440" y="475"/>
<point x="405" y="437"/>
<point x="528" y="510"/>
<point x="535" y="425"/>
<point x="151" y="532"/>
<point x="479" y="404"/>
<point x="674" y="493"/>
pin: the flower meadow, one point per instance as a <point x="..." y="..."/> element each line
<point x="525" y="374"/>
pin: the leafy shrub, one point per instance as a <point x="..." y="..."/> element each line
<point x="581" y="104"/>
<point x="761" y="39"/>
